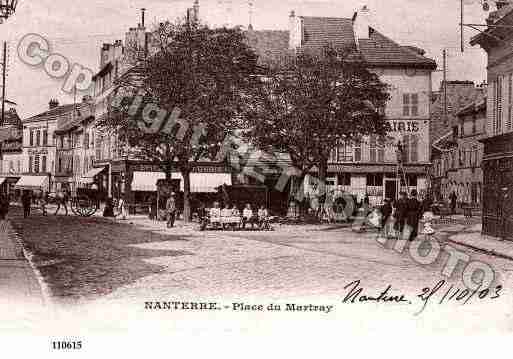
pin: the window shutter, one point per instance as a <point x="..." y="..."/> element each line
<point x="406" y="104"/>
<point x="406" y="148"/>
<point x="415" y="104"/>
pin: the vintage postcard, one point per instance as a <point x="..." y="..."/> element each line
<point x="193" y="171"/>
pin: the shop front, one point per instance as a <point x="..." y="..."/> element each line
<point x="497" y="191"/>
<point x="33" y="183"/>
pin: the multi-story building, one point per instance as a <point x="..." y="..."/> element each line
<point x="497" y="41"/>
<point x="370" y="167"/>
<point x="458" y="156"/>
<point x="445" y="121"/>
<point x="11" y="166"/>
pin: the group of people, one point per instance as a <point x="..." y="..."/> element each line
<point x="401" y="218"/>
<point x="28" y="197"/>
<point x="231" y="217"/>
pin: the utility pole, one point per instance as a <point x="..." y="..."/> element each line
<point x="4" y="66"/>
<point x="445" y="84"/>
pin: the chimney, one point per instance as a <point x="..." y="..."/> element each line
<point x="501" y="3"/>
<point x="295" y="31"/>
<point x="195" y="11"/>
<point x="361" y="23"/>
<point x="53" y="104"/>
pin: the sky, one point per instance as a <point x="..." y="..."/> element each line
<point x="77" y="29"/>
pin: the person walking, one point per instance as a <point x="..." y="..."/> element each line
<point x="414" y="212"/>
<point x="386" y="212"/>
<point x="122" y="208"/>
<point x="26" y="200"/>
<point x="62" y="199"/>
<point x="171" y="210"/>
<point x="454" y="199"/>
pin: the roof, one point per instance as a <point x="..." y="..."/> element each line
<point x="318" y="32"/>
<point x="321" y="31"/>
<point x="52" y="114"/>
<point x="478" y="105"/>
<point x="444" y="143"/>
<point x="269" y="45"/>
<point x="459" y="95"/>
<point x="11" y="118"/>
<point x="379" y="50"/>
<point x="494" y="18"/>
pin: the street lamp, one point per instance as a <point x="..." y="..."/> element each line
<point x="7" y="8"/>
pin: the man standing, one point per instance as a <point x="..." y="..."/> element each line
<point x="4" y="206"/>
<point x="171" y="210"/>
<point x="414" y="209"/>
<point x="400" y="207"/>
<point x="26" y="200"/>
<point x="454" y="198"/>
<point x="62" y="199"/>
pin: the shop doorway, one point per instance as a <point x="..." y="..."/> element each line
<point x="391" y="189"/>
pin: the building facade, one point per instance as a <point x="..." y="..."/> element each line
<point x="497" y="41"/>
<point x="459" y="153"/>
<point x="370" y="167"/>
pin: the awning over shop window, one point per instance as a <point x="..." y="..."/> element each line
<point x="33" y="183"/>
<point x="200" y="182"/>
<point x="146" y="181"/>
<point x="2" y="180"/>
<point x="89" y="176"/>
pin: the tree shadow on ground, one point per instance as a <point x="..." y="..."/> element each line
<point x="83" y="259"/>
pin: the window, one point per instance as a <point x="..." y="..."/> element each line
<point x="510" y="98"/>
<point x="455" y="132"/>
<point x="45" y="137"/>
<point x="410" y="104"/>
<point x="375" y="179"/>
<point x="381" y="150"/>
<point x="498" y="123"/>
<point x="31" y="138"/>
<point x="357" y="151"/>
<point x="412" y="180"/>
<point x="30" y="164"/>
<point x="345" y="153"/>
<point x="414" y="148"/>
<point x="59" y="165"/>
<point x="474" y="124"/>
<point x="344" y="179"/>
<point x="36" y="164"/>
<point x="11" y="166"/>
<point x="38" y="138"/>
<point x="372" y="145"/>
<point x="43" y="164"/>
<point x="18" y="165"/>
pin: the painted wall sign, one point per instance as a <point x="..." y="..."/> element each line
<point x="402" y="126"/>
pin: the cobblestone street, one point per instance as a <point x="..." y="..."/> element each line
<point x="100" y="262"/>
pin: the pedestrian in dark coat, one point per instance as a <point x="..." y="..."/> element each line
<point x="453" y="198"/>
<point x="4" y="206"/>
<point x="414" y="212"/>
<point x="26" y="201"/>
<point x="400" y="207"/>
<point x="386" y="211"/>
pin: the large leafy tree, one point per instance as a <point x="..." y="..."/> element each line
<point x="187" y="93"/>
<point x="307" y="104"/>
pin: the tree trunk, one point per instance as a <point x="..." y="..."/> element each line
<point x="187" y="213"/>
<point x="323" y="169"/>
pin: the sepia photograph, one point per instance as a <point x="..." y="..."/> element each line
<point x="176" y="174"/>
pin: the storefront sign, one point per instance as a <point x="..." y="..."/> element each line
<point x="38" y="151"/>
<point x="402" y="126"/>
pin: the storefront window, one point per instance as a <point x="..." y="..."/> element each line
<point x="375" y="179"/>
<point x="344" y="179"/>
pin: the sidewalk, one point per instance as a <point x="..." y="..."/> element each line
<point x="472" y="238"/>
<point x="18" y="282"/>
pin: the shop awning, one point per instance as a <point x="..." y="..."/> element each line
<point x="200" y="182"/>
<point x="89" y="176"/>
<point x="146" y="181"/>
<point x="33" y="183"/>
<point x="2" y="180"/>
